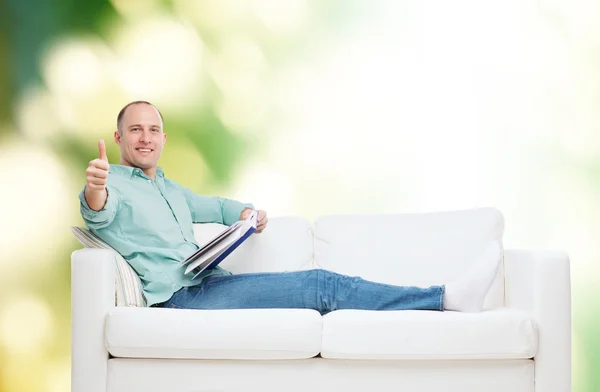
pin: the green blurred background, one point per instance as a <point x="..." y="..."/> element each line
<point x="303" y="107"/>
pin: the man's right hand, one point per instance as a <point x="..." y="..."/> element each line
<point x="96" y="178"/>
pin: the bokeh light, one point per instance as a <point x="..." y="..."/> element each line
<point x="26" y="324"/>
<point x="160" y="59"/>
<point x="35" y="181"/>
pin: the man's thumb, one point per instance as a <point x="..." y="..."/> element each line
<point x="102" y="150"/>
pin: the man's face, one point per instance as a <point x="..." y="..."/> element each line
<point x="141" y="137"/>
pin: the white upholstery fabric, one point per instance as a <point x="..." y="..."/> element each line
<point x="92" y="295"/>
<point x="409" y="249"/>
<point x="287" y="245"/>
<point x="216" y="334"/>
<point x="494" y="334"/>
<point x="539" y="283"/>
<point x="320" y="375"/>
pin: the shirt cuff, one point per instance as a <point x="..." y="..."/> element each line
<point x="102" y="218"/>
<point x="232" y="210"/>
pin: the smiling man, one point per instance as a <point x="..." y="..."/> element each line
<point x="149" y="220"/>
<point x="140" y="136"/>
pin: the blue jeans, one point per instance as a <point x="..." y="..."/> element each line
<point x="317" y="289"/>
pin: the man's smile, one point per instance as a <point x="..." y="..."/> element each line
<point x="144" y="150"/>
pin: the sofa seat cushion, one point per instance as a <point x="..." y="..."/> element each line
<point x="492" y="334"/>
<point x="214" y="334"/>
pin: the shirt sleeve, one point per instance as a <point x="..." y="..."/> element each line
<point x="213" y="209"/>
<point x="104" y="217"/>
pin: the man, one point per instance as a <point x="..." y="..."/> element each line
<point x="149" y="220"/>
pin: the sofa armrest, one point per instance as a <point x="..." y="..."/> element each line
<point x="539" y="282"/>
<point x="92" y="296"/>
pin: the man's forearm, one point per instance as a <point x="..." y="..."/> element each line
<point x="96" y="199"/>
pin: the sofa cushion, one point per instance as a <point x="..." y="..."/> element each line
<point x="493" y="334"/>
<point x="286" y="245"/>
<point x="420" y="249"/>
<point x="216" y="334"/>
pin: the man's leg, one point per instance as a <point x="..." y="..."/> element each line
<point x="322" y="290"/>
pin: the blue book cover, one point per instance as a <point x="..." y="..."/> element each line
<point x="216" y="250"/>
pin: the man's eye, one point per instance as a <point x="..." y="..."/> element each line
<point x="154" y="130"/>
<point x="135" y="129"/>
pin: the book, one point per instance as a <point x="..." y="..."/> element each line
<point x="216" y="250"/>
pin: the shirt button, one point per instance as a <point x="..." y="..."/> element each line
<point x="149" y="181"/>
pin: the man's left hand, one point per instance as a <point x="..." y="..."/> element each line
<point x="262" y="220"/>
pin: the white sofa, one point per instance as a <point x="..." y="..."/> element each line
<point x="520" y="343"/>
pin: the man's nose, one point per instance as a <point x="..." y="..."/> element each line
<point x="145" y="137"/>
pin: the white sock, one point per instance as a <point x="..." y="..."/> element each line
<point x="467" y="293"/>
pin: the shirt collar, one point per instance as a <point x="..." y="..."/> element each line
<point x="128" y="171"/>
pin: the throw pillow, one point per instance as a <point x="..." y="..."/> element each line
<point x="127" y="283"/>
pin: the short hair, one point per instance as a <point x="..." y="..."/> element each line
<point x="122" y="112"/>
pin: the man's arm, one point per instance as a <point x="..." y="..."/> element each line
<point x="213" y="209"/>
<point x="103" y="217"/>
<point x="96" y="176"/>
<point x="97" y="208"/>
<point x="96" y="200"/>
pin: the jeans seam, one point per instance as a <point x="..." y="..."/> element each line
<point x="235" y="277"/>
<point x="442" y="291"/>
<point x="319" y="298"/>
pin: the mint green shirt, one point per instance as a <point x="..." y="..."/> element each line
<point x="150" y="223"/>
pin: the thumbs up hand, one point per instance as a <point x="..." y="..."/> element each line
<point x="102" y="150"/>
<point x="97" y="171"/>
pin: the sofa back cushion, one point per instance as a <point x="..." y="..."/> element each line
<point x="286" y="245"/>
<point x="419" y="249"/>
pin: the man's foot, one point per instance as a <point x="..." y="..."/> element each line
<point x="467" y="293"/>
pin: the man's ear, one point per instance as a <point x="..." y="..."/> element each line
<point x="164" y="139"/>
<point x="117" y="137"/>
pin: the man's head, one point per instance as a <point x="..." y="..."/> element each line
<point x="140" y="136"/>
